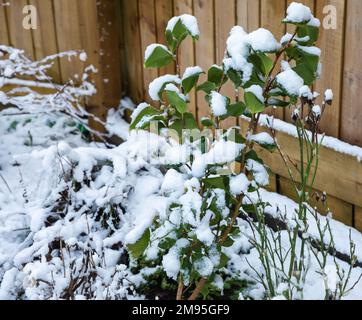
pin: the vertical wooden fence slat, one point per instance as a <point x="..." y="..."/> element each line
<point x="68" y="36"/>
<point x="351" y="115"/>
<point x="133" y="54"/>
<point x="44" y="36"/>
<point x="331" y="42"/>
<point x="186" y="51"/>
<point x="4" y="36"/>
<point x="164" y="12"/>
<point x="204" y="48"/>
<point x="248" y="14"/>
<point x="148" y="36"/>
<point x="109" y="47"/>
<point x="358" y="218"/>
<point x="271" y="14"/>
<point x="19" y="37"/>
<point x="225" y="14"/>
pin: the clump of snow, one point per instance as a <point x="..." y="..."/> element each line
<point x="328" y="95"/>
<point x="191" y="71"/>
<point x="218" y="104"/>
<point x="189" y="21"/>
<point x="316" y="109"/>
<point x="173" y="88"/>
<point x="262" y="40"/>
<point x="310" y="50"/>
<point x="290" y="81"/>
<point x="152" y="47"/>
<point x="156" y="85"/>
<point x="298" y="13"/>
<point x="83" y="56"/>
<point x="238" y="50"/>
<point x="257" y="91"/>
<point x="262" y="138"/>
<point x="239" y="184"/>
<point x="261" y="175"/>
<point x="305" y="92"/>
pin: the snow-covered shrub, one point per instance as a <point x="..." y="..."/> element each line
<point x="202" y="223"/>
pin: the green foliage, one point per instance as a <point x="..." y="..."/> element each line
<point x="159" y="58"/>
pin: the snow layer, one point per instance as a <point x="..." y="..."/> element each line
<point x="156" y="85"/>
<point x="290" y="81"/>
<point x="218" y="104"/>
<point x="298" y="13"/>
<point x="189" y="21"/>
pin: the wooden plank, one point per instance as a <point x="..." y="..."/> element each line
<point x="225" y="19"/>
<point x="204" y="48"/>
<point x="44" y="36"/>
<point x="248" y="14"/>
<point x="358" y="218"/>
<point x="271" y="14"/>
<point x="186" y="51"/>
<point x="4" y="36"/>
<point x="109" y="47"/>
<point x="332" y="176"/>
<point x="19" y="37"/>
<point x="332" y="44"/>
<point x="68" y="36"/>
<point x="351" y="116"/>
<point x="148" y="36"/>
<point x="133" y="53"/>
<point x="164" y="12"/>
<point x="341" y="210"/>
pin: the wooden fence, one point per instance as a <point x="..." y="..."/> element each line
<point x="339" y="175"/>
<point x="114" y="33"/>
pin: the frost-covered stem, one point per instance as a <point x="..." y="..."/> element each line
<point x="198" y="289"/>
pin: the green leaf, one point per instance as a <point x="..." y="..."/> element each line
<point x="311" y="32"/>
<point x="262" y="62"/>
<point x="221" y="182"/>
<point x="206" y="87"/>
<point x="144" y="117"/>
<point x="235" y="109"/>
<point x="159" y="58"/>
<point x="253" y="103"/>
<point x="176" y="101"/>
<point x="235" y="77"/>
<point x="189" y="82"/>
<point x="137" y="249"/>
<point x="206" y="122"/>
<point x="216" y="75"/>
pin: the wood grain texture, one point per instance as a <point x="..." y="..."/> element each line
<point x="109" y="51"/>
<point x="133" y="53"/>
<point x="341" y="210"/>
<point x="225" y="19"/>
<point x="44" y="36"/>
<point x="358" y="218"/>
<point x="67" y="24"/>
<point x="19" y="37"/>
<point x="332" y="44"/>
<point x="271" y="14"/>
<point x="351" y="115"/>
<point x="163" y="13"/>
<point x="4" y="36"/>
<point x="346" y="186"/>
<point x="148" y="36"/>
<point x="248" y="14"/>
<point x="204" y="48"/>
<point x="187" y="49"/>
